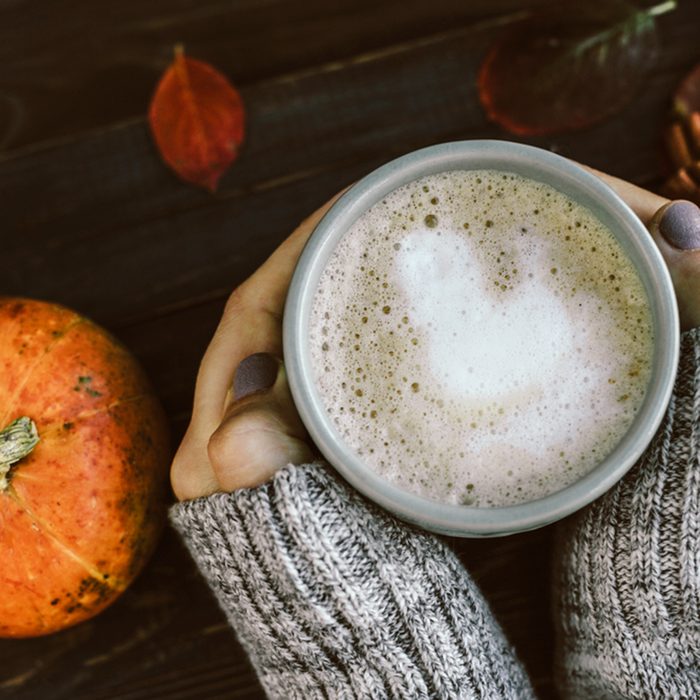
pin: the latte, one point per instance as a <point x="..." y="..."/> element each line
<point x="479" y="338"/>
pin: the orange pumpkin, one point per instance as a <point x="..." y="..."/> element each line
<point x="82" y="507"/>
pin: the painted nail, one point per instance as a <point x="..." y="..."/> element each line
<point x="680" y="225"/>
<point x="255" y="373"/>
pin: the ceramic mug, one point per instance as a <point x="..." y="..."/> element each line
<point x="577" y="184"/>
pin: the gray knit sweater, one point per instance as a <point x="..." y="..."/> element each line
<point x="332" y="598"/>
<point x="628" y="568"/>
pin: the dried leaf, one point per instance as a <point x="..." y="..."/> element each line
<point x="197" y="119"/>
<point x="687" y="97"/>
<point x="682" y="138"/>
<point x="570" y="67"/>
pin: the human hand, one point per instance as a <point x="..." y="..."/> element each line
<point x="244" y="425"/>
<point x="675" y="228"/>
<point x="242" y="431"/>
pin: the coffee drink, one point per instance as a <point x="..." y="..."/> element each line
<point x="480" y="338"/>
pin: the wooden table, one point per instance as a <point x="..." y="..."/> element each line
<point x="92" y="219"/>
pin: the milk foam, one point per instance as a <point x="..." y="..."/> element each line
<point x="480" y="338"/>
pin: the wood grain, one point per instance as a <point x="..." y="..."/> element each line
<point x="73" y="65"/>
<point x="96" y="221"/>
<point x="108" y="192"/>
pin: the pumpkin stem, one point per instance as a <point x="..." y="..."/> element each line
<point x="17" y="440"/>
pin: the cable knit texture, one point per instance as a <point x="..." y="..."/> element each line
<point x="628" y="575"/>
<point x="332" y="598"/>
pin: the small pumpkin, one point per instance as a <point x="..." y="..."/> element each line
<point x="84" y="454"/>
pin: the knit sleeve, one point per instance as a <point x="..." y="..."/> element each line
<point x="628" y="575"/>
<point x="334" y="599"/>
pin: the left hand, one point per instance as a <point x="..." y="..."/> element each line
<point x="240" y="439"/>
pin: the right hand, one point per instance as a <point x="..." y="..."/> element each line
<point x="675" y="228"/>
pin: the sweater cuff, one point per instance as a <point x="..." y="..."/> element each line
<point x="331" y="597"/>
<point x="628" y="567"/>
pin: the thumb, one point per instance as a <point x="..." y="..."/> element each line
<point x="261" y="430"/>
<point x="676" y="229"/>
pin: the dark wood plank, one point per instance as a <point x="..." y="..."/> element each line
<point x="110" y="211"/>
<point x="298" y="125"/>
<point x="99" y="224"/>
<point x="72" y="65"/>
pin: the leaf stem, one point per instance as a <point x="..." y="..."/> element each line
<point x="661" y="9"/>
<point x="637" y="20"/>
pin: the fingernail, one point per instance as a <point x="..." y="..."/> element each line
<point x="255" y="373"/>
<point x="680" y="225"/>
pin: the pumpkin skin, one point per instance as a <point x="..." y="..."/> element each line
<point x="82" y="513"/>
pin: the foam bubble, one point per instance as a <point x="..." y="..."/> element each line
<point x="480" y="338"/>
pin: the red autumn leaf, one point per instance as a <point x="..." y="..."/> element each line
<point x="197" y="120"/>
<point x="569" y="67"/>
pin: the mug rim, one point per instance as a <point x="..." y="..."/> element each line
<point x="460" y="520"/>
